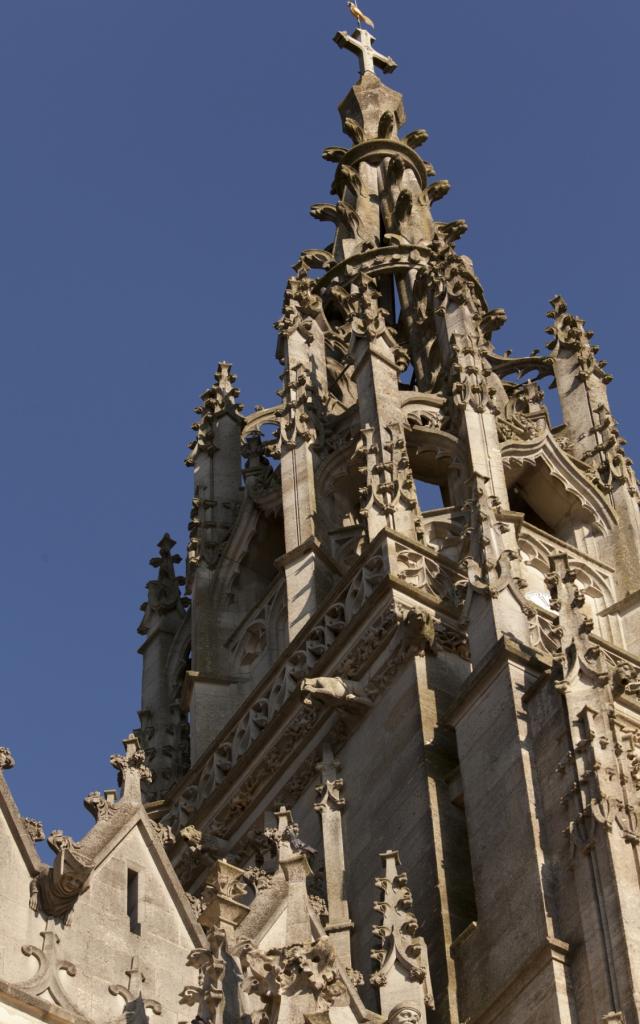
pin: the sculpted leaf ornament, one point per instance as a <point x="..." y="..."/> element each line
<point x="402" y="952"/>
<point x="50" y="964"/>
<point x="569" y="332"/>
<point x="575" y="652"/>
<point x="218" y="400"/>
<point x="489" y="564"/>
<point x="208" y="994"/>
<point x="131" y="767"/>
<point x="298" y="423"/>
<point x="35" y="829"/>
<point x="99" y="805"/>
<point x="7" y="759"/>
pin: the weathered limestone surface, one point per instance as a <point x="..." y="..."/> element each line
<point x="105" y="933"/>
<point x="392" y="709"/>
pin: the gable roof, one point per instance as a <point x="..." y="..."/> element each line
<point x="75" y="862"/>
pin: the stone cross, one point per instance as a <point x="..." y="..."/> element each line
<point x="361" y="43"/>
<point x="134" y="1002"/>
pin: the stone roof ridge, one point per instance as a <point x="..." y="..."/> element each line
<point x="25" y="831"/>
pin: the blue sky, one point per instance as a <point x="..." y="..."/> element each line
<point x="159" y="158"/>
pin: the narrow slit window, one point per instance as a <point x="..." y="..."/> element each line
<point x="133" y="898"/>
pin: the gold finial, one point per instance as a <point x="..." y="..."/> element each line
<point x="359" y="15"/>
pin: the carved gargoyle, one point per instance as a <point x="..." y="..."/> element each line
<point x="416" y="139"/>
<point x="419" y="633"/>
<point x="453" y="230"/>
<point x="438" y="190"/>
<point x="60" y="885"/>
<point x="333" y="690"/>
<point x="334" y="154"/>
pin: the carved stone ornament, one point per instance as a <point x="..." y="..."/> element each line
<point x="164" y="592"/>
<point x="307" y="973"/>
<point x="489" y="564"/>
<point x="568" y="332"/>
<point x="626" y="679"/>
<point x="611" y="462"/>
<point x="60" y="885"/>
<point x="297" y="421"/>
<point x="197" y="852"/>
<point x="7" y="759"/>
<point x="35" y="829"/>
<point x="131" y="767"/>
<point x="302" y="304"/>
<point x="575" y="652"/>
<point x="471" y="379"/>
<point x="418" y="632"/>
<point x="131" y="993"/>
<point x="218" y="400"/>
<point x="50" y="964"/>
<point x="524" y="415"/>
<point x="208" y="994"/>
<point x="402" y="955"/>
<point x="225" y="885"/>
<point x="101" y="806"/>
<point x="361" y="43"/>
<point x="451" y="277"/>
<point x="347" y="693"/>
<point x="388" y="485"/>
<point x="259" y="879"/>
<point x="602" y="770"/>
<point x="164" y="833"/>
<point x="259" y="475"/>
<point x="238" y="738"/>
<point x="404" y="1013"/>
<point x="284" y="839"/>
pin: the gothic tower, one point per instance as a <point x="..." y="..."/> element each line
<point x="405" y="663"/>
<point x="452" y="678"/>
<point x="457" y="676"/>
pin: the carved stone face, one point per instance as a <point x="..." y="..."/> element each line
<point x="404" y="1015"/>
